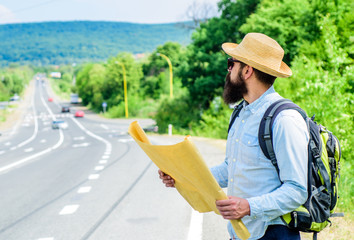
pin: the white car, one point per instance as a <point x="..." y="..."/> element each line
<point x="59" y="124"/>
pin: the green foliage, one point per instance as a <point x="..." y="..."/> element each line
<point x="202" y="73"/>
<point x="289" y="23"/>
<point x="88" y="41"/>
<point x="13" y="81"/>
<point x="156" y="70"/>
<point x="214" y="121"/>
<point x="177" y="111"/>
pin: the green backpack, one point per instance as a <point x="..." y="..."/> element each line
<point x="323" y="169"/>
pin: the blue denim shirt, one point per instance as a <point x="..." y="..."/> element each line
<point x="249" y="174"/>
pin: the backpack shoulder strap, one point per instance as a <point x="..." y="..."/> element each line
<point x="265" y="136"/>
<point x="235" y="114"/>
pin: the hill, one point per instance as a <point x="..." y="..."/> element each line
<point x="81" y="41"/>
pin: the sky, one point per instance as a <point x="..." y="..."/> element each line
<point x="136" y="11"/>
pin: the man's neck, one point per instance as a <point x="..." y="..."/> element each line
<point x="255" y="92"/>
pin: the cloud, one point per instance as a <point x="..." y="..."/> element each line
<point x="6" y="15"/>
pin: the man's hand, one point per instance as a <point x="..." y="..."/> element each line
<point x="166" y="179"/>
<point x="233" y="208"/>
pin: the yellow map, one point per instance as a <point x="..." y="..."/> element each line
<point x="193" y="179"/>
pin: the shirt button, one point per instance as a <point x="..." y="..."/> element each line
<point x="243" y="121"/>
<point x="249" y="142"/>
<point x="234" y="160"/>
<point x="231" y="179"/>
<point x="236" y="140"/>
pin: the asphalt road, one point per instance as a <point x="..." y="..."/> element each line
<point x="90" y="181"/>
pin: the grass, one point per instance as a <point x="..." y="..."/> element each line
<point x="341" y="229"/>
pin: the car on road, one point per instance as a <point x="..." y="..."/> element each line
<point x="50" y="99"/>
<point x="65" y="109"/>
<point x="15" y="97"/>
<point x="151" y="128"/>
<point x="79" y="113"/>
<point x="59" y="124"/>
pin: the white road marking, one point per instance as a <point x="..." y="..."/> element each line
<point x="125" y="140"/>
<point x="107" y="153"/>
<point x="79" y="138"/>
<point x="69" y="209"/>
<point x="13" y="148"/>
<point x="48" y="238"/>
<point x="84" y="190"/>
<point x="61" y="140"/>
<point x="196" y="226"/>
<point x="104" y="126"/>
<point x="93" y="176"/>
<point x="99" y="168"/>
<point x="105" y="157"/>
<point x="102" y="162"/>
<point x="7" y="143"/>
<point x="81" y="145"/>
<point x="28" y="150"/>
<point x="2" y="152"/>
<point x="43" y="141"/>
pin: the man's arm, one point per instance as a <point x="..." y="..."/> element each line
<point x="290" y="140"/>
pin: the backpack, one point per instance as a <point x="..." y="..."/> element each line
<point x="324" y="155"/>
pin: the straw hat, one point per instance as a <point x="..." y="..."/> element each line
<point x="261" y="52"/>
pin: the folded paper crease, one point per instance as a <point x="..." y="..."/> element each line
<point x="193" y="179"/>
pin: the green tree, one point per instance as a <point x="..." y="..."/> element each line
<point x="202" y="72"/>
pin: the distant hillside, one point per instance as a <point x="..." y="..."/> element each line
<point x="82" y="41"/>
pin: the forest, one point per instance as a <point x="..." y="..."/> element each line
<point x="317" y="36"/>
<point x="49" y="43"/>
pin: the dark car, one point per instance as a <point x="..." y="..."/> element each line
<point x="65" y="109"/>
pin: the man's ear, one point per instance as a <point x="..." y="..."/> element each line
<point x="247" y="71"/>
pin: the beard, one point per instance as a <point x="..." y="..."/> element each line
<point x="234" y="92"/>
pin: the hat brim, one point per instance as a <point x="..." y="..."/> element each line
<point x="231" y="49"/>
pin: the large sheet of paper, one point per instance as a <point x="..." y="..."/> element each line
<point x="193" y="179"/>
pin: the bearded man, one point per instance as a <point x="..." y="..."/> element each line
<point x="258" y="193"/>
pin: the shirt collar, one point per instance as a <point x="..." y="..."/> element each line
<point x="253" y="107"/>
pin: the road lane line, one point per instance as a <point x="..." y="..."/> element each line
<point x="108" y="144"/>
<point x="104" y="126"/>
<point x="2" y="152"/>
<point x="125" y="140"/>
<point x="100" y="162"/>
<point x="93" y="176"/>
<point x="47" y="238"/>
<point x="61" y="140"/>
<point x="196" y="226"/>
<point x="79" y="138"/>
<point x="105" y="157"/>
<point x="99" y="168"/>
<point x="28" y="149"/>
<point x="69" y="209"/>
<point x="84" y="190"/>
<point x="81" y="145"/>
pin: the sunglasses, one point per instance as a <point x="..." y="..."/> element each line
<point x="230" y="63"/>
